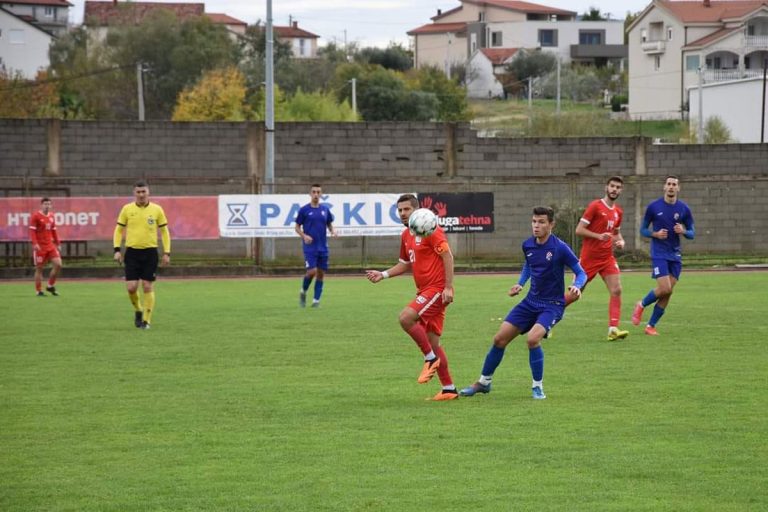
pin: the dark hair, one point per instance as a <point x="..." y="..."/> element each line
<point x="316" y="185"/>
<point x="44" y="200"/>
<point x="545" y="210"/>
<point x="671" y="176"/>
<point x="410" y="198"/>
<point x="141" y="184"/>
<point x="614" y="178"/>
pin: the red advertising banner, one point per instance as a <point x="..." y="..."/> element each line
<point x="94" y="218"/>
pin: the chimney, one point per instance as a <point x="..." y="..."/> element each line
<point x="295" y="24"/>
<point x="707" y="3"/>
<point x="439" y="12"/>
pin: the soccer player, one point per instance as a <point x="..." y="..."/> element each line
<point x="312" y="221"/>
<point x="142" y="219"/>
<point x="545" y="259"/>
<point x="665" y="220"/>
<point x="431" y="261"/>
<point x="45" y="247"/>
<point x="600" y="228"/>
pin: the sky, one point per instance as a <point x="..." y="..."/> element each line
<point x="366" y="22"/>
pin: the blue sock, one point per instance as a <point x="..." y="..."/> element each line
<point x="492" y="360"/>
<point x="305" y="284"/>
<point x="658" y="312"/>
<point x="318" y="289"/>
<point x="649" y="299"/>
<point x="536" y="360"/>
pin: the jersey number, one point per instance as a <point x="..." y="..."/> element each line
<point x="412" y="255"/>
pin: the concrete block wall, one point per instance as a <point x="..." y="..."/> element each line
<point x="23" y="147"/>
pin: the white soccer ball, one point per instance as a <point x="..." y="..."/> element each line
<point x="422" y="222"/>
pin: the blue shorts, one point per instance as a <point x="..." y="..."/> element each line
<point x="527" y="314"/>
<point x="315" y="260"/>
<point x="661" y="268"/>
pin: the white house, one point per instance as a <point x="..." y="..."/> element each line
<point x="23" y="46"/>
<point x="50" y="15"/>
<point x="485" y="67"/>
<point x="303" y="43"/>
<point x="670" y="41"/>
<point x="742" y="116"/>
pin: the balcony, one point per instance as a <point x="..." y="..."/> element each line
<point x="725" y="75"/>
<point x="654" y="47"/>
<point x="756" y="42"/>
<point x="596" y="51"/>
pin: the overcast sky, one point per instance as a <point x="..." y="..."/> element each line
<point x="367" y="22"/>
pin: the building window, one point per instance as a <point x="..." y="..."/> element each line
<point x="496" y="39"/>
<point x="657" y="63"/>
<point x="669" y="33"/>
<point x="590" y="37"/>
<point x="481" y="16"/>
<point x="473" y="42"/>
<point x="49" y="12"/>
<point x="750" y="30"/>
<point x="16" y="35"/>
<point x="548" y="37"/>
<point x="643" y="36"/>
<point x="302" y="47"/>
<point x="718" y="63"/>
<point x="692" y="62"/>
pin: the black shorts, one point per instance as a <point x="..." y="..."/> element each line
<point x="141" y="264"/>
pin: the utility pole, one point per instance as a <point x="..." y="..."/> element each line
<point x="762" y="121"/>
<point x="269" y="125"/>
<point x="530" y="102"/>
<point x="700" y="135"/>
<point x="557" y="111"/>
<point x="140" y="89"/>
<point x="354" y="95"/>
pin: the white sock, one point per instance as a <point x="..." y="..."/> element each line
<point x="485" y="381"/>
<point x="431" y="356"/>
<point x="537" y="384"/>
<point x="450" y="387"/>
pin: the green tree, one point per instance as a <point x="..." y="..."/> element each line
<point x="593" y="14"/>
<point x="23" y="99"/>
<point x="394" y="57"/>
<point x="251" y="50"/>
<point x="628" y="20"/>
<point x="531" y="64"/>
<point x="451" y="97"/>
<point x="316" y="106"/>
<point x="716" y="131"/>
<point x="219" y="95"/>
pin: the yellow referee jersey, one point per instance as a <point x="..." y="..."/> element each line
<point x="142" y="223"/>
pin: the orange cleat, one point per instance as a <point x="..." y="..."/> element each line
<point x="651" y="331"/>
<point x="637" y="313"/>
<point x="445" y="394"/>
<point x="429" y="370"/>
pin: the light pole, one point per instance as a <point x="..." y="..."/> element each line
<point x="269" y="125"/>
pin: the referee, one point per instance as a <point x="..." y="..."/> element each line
<point x="142" y="219"/>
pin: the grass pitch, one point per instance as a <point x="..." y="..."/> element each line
<point x="239" y="400"/>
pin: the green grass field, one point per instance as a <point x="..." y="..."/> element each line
<point x="238" y="400"/>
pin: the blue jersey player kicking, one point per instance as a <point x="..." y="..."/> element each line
<point x="665" y="220"/>
<point x="546" y="257"/>
<point x="312" y="222"/>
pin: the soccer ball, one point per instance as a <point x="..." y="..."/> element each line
<point x="422" y="222"/>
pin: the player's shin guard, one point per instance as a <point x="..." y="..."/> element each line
<point x="318" y="288"/>
<point x="135" y="300"/>
<point x="305" y="283"/>
<point x="649" y="299"/>
<point x="149" y="306"/>
<point x="614" y="311"/>
<point x="419" y="335"/>
<point x="38" y="283"/>
<point x="442" y="371"/>
<point x="536" y="360"/>
<point x="492" y="360"/>
<point x="658" y="312"/>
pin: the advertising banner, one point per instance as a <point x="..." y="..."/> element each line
<point x="464" y="212"/>
<point x="275" y="215"/>
<point x="94" y="218"/>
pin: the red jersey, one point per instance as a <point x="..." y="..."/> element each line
<point x="42" y="230"/>
<point x="424" y="255"/>
<point x="600" y="218"/>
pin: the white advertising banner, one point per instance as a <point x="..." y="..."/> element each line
<point x="274" y="215"/>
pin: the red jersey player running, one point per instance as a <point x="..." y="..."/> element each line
<point x="431" y="261"/>
<point x="599" y="227"/>
<point x="45" y="247"/>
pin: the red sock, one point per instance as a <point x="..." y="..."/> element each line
<point x="442" y="371"/>
<point x="614" y="311"/>
<point x="419" y="335"/>
<point x="52" y="281"/>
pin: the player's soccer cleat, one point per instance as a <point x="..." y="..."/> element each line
<point x="145" y="325"/>
<point x="615" y="334"/>
<point x="52" y="290"/>
<point x="537" y="393"/>
<point x="303" y="299"/>
<point x="316" y="304"/>
<point x="651" y="331"/>
<point x="637" y="313"/>
<point x="40" y="294"/>
<point x="137" y="319"/>
<point x="445" y="394"/>
<point x="475" y="388"/>
<point x="429" y="370"/>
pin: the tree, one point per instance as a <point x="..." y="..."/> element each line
<point x="394" y="57"/>
<point x="451" y="97"/>
<point x="23" y="99"/>
<point x="316" y="106"/>
<point x="531" y="64"/>
<point x="628" y="20"/>
<point x="593" y="14"/>
<point x="251" y="50"/>
<point x="219" y="95"/>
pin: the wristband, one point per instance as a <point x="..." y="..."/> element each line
<point x="117" y="249"/>
<point x="167" y="253"/>
<point x="385" y="275"/>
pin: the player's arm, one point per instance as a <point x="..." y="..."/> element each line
<point x="165" y="236"/>
<point x="332" y="229"/>
<point x="33" y="236"/>
<point x="645" y="226"/>
<point x="117" y="241"/>
<point x="55" y="236"/>
<point x="525" y="274"/>
<point x="580" y="277"/>
<point x="447" y="256"/>
<point x="583" y="231"/>
<point x="618" y="238"/>
<point x="686" y="227"/>
<point x="300" y="231"/>
<point x="401" y="267"/>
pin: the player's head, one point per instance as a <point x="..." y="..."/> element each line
<point x="613" y="187"/>
<point x="315" y="191"/>
<point x="671" y="187"/>
<point x="141" y="192"/>
<point x="543" y="221"/>
<point x="406" y="205"/>
<point x="46" y="205"/>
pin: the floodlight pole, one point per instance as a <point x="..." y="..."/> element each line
<point x="354" y="95"/>
<point x="269" y="125"/>
<point x="140" y="89"/>
<point x="762" y="120"/>
<point x="700" y="135"/>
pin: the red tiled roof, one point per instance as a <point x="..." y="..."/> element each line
<point x="109" y="13"/>
<point x="439" y="28"/>
<point x="53" y="3"/>
<point x="446" y="13"/>
<point x="292" y="31"/>
<point x="498" y="56"/>
<point x="526" y="7"/>
<point x="714" y="36"/>
<point x="697" y="12"/>
<point x="224" y="19"/>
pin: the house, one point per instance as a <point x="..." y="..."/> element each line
<point x="486" y="70"/>
<point x="23" y="45"/>
<point x="50" y="15"/>
<point x="456" y="35"/>
<point x="670" y="42"/>
<point x="738" y="104"/>
<point x="303" y="43"/>
<point x="99" y="16"/>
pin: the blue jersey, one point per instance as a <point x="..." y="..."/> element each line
<point x="663" y="215"/>
<point x="315" y="222"/>
<point x="545" y="264"/>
